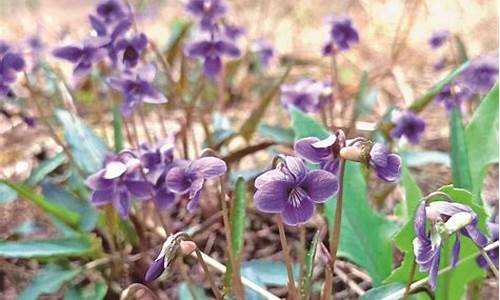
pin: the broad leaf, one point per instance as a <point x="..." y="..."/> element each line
<point x="185" y="292"/>
<point x="67" y="247"/>
<point x="278" y="134"/>
<point x="44" y="169"/>
<point x="459" y="157"/>
<point x="93" y="291"/>
<point x="48" y="281"/>
<point x="269" y="272"/>
<point x="305" y="126"/>
<point x="420" y="158"/>
<point x="384" y="292"/>
<point x="412" y="195"/>
<point x="481" y="137"/>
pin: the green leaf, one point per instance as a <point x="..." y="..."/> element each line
<point x="383" y="292"/>
<point x="66" y="247"/>
<point x="459" y="157"/>
<point x="450" y="285"/>
<point x="93" y="291"/>
<point x="44" y="169"/>
<point x="48" y="281"/>
<point x="306" y="126"/>
<point x="306" y="283"/>
<point x="87" y="148"/>
<point x="412" y="195"/>
<point x="55" y="194"/>
<point x="269" y="272"/>
<point x="250" y="125"/>
<point x="184" y="292"/>
<point x="365" y="98"/>
<point x="420" y="103"/>
<point x="365" y="235"/>
<point x="7" y="194"/>
<point x="179" y="30"/>
<point x="481" y="137"/>
<point x="53" y="209"/>
<point x="117" y="128"/>
<point x="278" y="134"/>
<point x="27" y="227"/>
<point x="420" y="158"/>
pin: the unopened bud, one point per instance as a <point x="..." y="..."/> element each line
<point x="351" y="153"/>
<point x="458" y="221"/>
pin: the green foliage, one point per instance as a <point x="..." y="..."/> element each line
<point x="412" y="195"/>
<point x="7" y="194"/>
<point x="276" y="133"/>
<point x="48" y="281"/>
<point x="44" y="169"/>
<point x="185" y="292"/>
<point x="306" y="283"/>
<point x="365" y="98"/>
<point x="383" y="292"/>
<point x="459" y="159"/>
<point x="117" y="129"/>
<point x="65" y="247"/>
<point x="420" y="158"/>
<point x="93" y="291"/>
<point x="306" y="126"/>
<point x="450" y="285"/>
<point x="269" y="272"/>
<point x="481" y="137"/>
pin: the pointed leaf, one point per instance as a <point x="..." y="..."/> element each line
<point x="48" y="281"/>
<point x="459" y="157"/>
<point x="67" y="247"/>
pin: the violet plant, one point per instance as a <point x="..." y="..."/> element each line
<point x="151" y="187"/>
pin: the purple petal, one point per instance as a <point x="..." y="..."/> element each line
<point x="296" y="167"/>
<point x="212" y="66"/>
<point x="433" y="273"/>
<point x="320" y="185"/>
<point x="420" y="221"/>
<point x="177" y="180"/>
<point x="268" y="176"/>
<point x="105" y="196"/>
<point x="121" y="202"/>
<point x="272" y="197"/>
<point x="294" y="215"/>
<point x="114" y="170"/>
<point x="121" y="28"/>
<point x="164" y="198"/>
<point x="140" y="189"/>
<point x="199" y="49"/>
<point x="194" y="193"/>
<point x="147" y="73"/>
<point x="97" y="182"/>
<point x="155" y="270"/>
<point x="475" y="235"/>
<point x="305" y="149"/>
<point x="379" y="155"/>
<point x="70" y="53"/>
<point x="208" y="167"/>
<point x="13" y="61"/>
<point x="97" y="25"/>
<point x="227" y="48"/>
<point x="392" y="171"/>
<point x="456" y="250"/>
<point x="326" y="143"/>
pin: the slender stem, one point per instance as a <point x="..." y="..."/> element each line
<point x="291" y="282"/>
<point x="302" y="251"/>
<point x="490" y="262"/>
<point x="215" y="290"/>
<point x="410" y="279"/>
<point x="335" y="87"/>
<point x="129" y="134"/>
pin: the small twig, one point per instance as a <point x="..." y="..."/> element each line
<point x="351" y="283"/>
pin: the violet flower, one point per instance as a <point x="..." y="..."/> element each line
<point x="189" y="177"/>
<point x="409" y="125"/>
<point x="233" y="32"/>
<point x="211" y="52"/>
<point x="117" y="181"/>
<point x="387" y="165"/>
<point x="481" y="75"/>
<point x="207" y="11"/>
<point x="343" y="35"/>
<point x="292" y="191"/>
<point x="453" y="95"/>
<point x="36" y="47"/>
<point x="438" y="39"/>
<point x="111" y="19"/>
<point x="323" y="152"/>
<point x="111" y="11"/>
<point x="91" y="52"/>
<point x="136" y="87"/>
<point x="10" y="64"/>
<point x="493" y="254"/>
<point x="263" y="51"/>
<point x="126" y="53"/>
<point x="446" y="218"/>
<point x="307" y="95"/>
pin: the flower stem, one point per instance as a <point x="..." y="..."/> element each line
<point x="489" y="261"/>
<point x="302" y="253"/>
<point x="410" y="279"/>
<point x="288" y="261"/>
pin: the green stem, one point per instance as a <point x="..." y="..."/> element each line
<point x="288" y="261"/>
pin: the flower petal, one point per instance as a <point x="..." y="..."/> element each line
<point x="212" y="66"/>
<point x="272" y="197"/>
<point x="70" y="53"/>
<point x="304" y="148"/>
<point x="207" y="167"/>
<point x="121" y="202"/>
<point x="455" y="251"/>
<point x="392" y="169"/>
<point x="140" y="189"/>
<point x="269" y="176"/>
<point x="297" y="215"/>
<point x="296" y="167"/>
<point x="114" y="169"/>
<point x="379" y="155"/>
<point x="433" y="273"/>
<point x="328" y="142"/>
<point x="475" y="235"/>
<point x="164" y="198"/>
<point x="194" y="194"/>
<point x="102" y="197"/>
<point x="177" y="180"/>
<point x="320" y="185"/>
<point x="155" y="270"/>
<point x="420" y="222"/>
<point x="97" y="182"/>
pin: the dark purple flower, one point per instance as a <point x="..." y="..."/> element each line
<point x="387" y="165"/>
<point x="111" y="31"/>
<point x="155" y="269"/>
<point x="322" y="152"/>
<point x="126" y="53"/>
<point x="292" y="191"/>
<point x="481" y="75"/>
<point x="85" y="56"/>
<point x="438" y="38"/>
<point x="343" y="35"/>
<point x="233" y="32"/>
<point x="28" y="120"/>
<point x="4" y="47"/>
<point x="189" y="177"/>
<point x="409" y="125"/>
<point x="211" y="52"/>
<point x="117" y="181"/>
<point x="207" y="11"/>
<point x="264" y="52"/>
<point x="446" y="218"/>
<point x="307" y="95"/>
<point x="111" y="11"/>
<point x="493" y="254"/>
<point x="136" y="87"/>
<point x="452" y="95"/>
<point x="10" y="64"/>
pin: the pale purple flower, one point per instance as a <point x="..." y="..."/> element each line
<point x="117" y="182"/>
<point x="292" y="191"/>
<point x="136" y="87"/>
<point x="4" y="47"/>
<point x="387" y="165"/>
<point x="155" y="269"/>
<point x="207" y="11"/>
<point x="36" y="47"/>
<point x="306" y="94"/>
<point x="439" y="65"/>
<point x="111" y="19"/>
<point x="438" y="39"/>
<point x="188" y="177"/>
<point x="481" y="75"/>
<point x="111" y="31"/>
<point x="126" y="52"/>
<point x="84" y="57"/>
<point x="493" y="254"/>
<point x="111" y="11"/>
<point x="263" y="51"/>
<point x="233" y="32"/>
<point x="211" y="52"/>
<point x="453" y="95"/>
<point x="323" y="152"/>
<point x="10" y="65"/>
<point x="446" y="218"/>
<point x="409" y="125"/>
<point x="343" y="35"/>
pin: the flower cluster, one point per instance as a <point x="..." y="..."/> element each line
<point x="307" y="95"/>
<point x="111" y="23"/>
<point x="151" y="173"/>
<point x="408" y="125"/>
<point x="446" y="219"/>
<point x="11" y="63"/>
<point x="343" y="35"/>
<point x="217" y="38"/>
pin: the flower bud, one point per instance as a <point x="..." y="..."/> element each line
<point x="458" y="221"/>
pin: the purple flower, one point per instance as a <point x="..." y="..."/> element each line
<point x="292" y="191"/>
<point x="233" y="32"/>
<point x="409" y="125"/>
<point x="4" y="47"/>
<point x="343" y="35"/>
<point x="387" y="165"/>
<point x="85" y="56"/>
<point x="322" y="152"/>
<point x="189" y="177"/>
<point x="482" y="74"/>
<point x="10" y="64"/>
<point x="127" y="52"/>
<point x="452" y="95"/>
<point x="439" y="65"/>
<point x="117" y="181"/>
<point x="264" y="52"/>
<point x="111" y="31"/>
<point x="111" y="11"/>
<point x="307" y="95"/>
<point x="438" y="38"/>
<point x="211" y="52"/>
<point x="493" y="254"/>
<point x="137" y="88"/>
<point x="446" y="218"/>
<point x="207" y="11"/>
